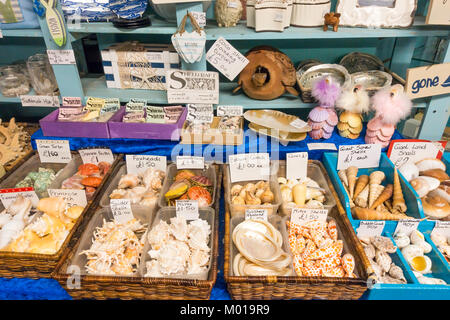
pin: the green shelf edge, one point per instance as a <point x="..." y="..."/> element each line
<point x="28" y="33"/>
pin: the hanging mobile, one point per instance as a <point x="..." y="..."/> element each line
<point x="55" y="22"/>
<point x="130" y="14"/>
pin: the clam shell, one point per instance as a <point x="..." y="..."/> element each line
<point x="432" y="182"/>
<point x="430" y="163"/>
<point x="327" y="135"/>
<point x="319" y="114"/>
<point x="383" y="244"/>
<point x="332" y="120"/>
<point x="327" y="128"/>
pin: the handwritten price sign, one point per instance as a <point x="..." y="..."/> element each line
<point x="249" y="166"/>
<point x="139" y="163"/>
<point x="54" y="151"/>
<point x="190" y="162"/>
<point x="96" y="156"/>
<point x="187" y="209"/>
<point x="121" y="209"/>
<point x="370" y="228"/>
<point x="359" y="155"/>
<point x="411" y="151"/>
<point x="301" y="216"/>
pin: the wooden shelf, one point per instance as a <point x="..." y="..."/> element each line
<point x="28" y="33"/>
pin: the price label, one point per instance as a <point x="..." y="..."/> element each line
<point x="200" y="113"/>
<point x="121" y="209"/>
<point x="73" y="197"/>
<point x="278" y="17"/>
<point x="200" y="17"/>
<point x="225" y="58"/>
<point x="231" y="4"/>
<point x="232" y="111"/>
<point x="39" y="101"/>
<point x="249" y="166"/>
<point x="407" y="226"/>
<point x="8" y="196"/>
<point x="442" y="227"/>
<point x="61" y="56"/>
<point x="411" y="151"/>
<point x="190" y="162"/>
<point x="359" y="155"/>
<point x="187" y="209"/>
<point x="370" y="228"/>
<point x="321" y="146"/>
<point x="298" y="123"/>
<point x="71" y="102"/>
<point x="301" y="216"/>
<point x="139" y="163"/>
<point x="296" y="165"/>
<point x="256" y="214"/>
<point x="54" y="151"/>
<point x="96" y="156"/>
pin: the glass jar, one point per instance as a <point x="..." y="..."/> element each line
<point x="14" y="85"/>
<point x="9" y="69"/>
<point x="41" y="75"/>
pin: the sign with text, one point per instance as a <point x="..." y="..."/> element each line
<point x="39" y="101"/>
<point x="54" y="151"/>
<point x="61" y="56"/>
<point x="412" y="150"/>
<point x="184" y="86"/>
<point x="200" y="113"/>
<point x="71" y="102"/>
<point x="231" y="111"/>
<point x="296" y="165"/>
<point x="428" y="81"/>
<point x="301" y="216"/>
<point x="249" y="166"/>
<point x="121" y="210"/>
<point x="256" y="214"/>
<point x="97" y="155"/>
<point x="8" y="196"/>
<point x="225" y="58"/>
<point x="438" y="12"/>
<point x="370" y="228"/>
<point x="139" y="163"/>
<point x="321" y="146"/>
<point x="359" y="155"/>
<point x="407" y="226"/>
<point x="200" y="17"/>
<point x="442" y="227"/>
<point x="190" y="162"/>
<point x="74" y="197"/>
<point x="187" y="209"/>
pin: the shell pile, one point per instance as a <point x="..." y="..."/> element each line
<point x="40" y="180"/>
<point x="140" y="188"/>
<point x="229" y="124"/>
<point x="378" y="250"/>
<point x="369" y="199"/>
<point x="317" y="250"/>
<point x="115" y="249"/>
<point x="41" y="233"/>
<point x="178" y="248"/>
<point x="189" y="186"/>
<point x="198" y="128"/>
<point x="432" y="184"/>
<point x="253" y="194"/>
<point x="14" y="141"/>
<point x="301" y="193"/>
<point x="443" y="244"/>
<point x="260" y="250"/>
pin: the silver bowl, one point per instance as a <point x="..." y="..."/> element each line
<point x="372" y="80"/>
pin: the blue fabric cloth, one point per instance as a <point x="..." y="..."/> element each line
<point x="30" y="20"/>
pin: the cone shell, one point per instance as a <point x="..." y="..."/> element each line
<point x="374" y="193"/>
<point x="362" y="200"/>
<point x="343" y="176"/>
<point x="361" y="183"/>
<point x="398" y="202"/>
<point x="376" y="177"/>
<point x="352" y="172"/>
<point x="384" y="196"/>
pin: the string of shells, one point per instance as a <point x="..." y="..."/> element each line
<point x="369" y="199"/>
<point x="432" y="184"/>
<point x="304" y="192"/>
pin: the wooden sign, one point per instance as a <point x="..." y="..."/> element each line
<point x="428" y="81"/>
<point x="438" y="12"/>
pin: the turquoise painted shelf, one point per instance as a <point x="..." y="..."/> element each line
<point x="14" y="99"/>
<point x="28" y="33"/>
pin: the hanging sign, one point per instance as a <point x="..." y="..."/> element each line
<point x="200" y="17"/>
<point x="438" y="12"/>
<point x="139" y="163"/>
<point x="249" y="166"/>
<point x="97" y="155"/>
<point x="39" y="101"/>
<point x="359" y="155"/>
<point x="54" y="151"/>
<point x="428" y="81"/>
<point x="185" y="86"/>
<point x="413" y="150"/>
<point x="61" y="56"/>
<point x="296" y="165"/>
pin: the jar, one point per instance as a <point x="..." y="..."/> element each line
<point x="41" y="75"/>
<point x="9" y="70"/>
<point x="14" y="85"/>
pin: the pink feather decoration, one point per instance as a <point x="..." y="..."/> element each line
<point x="391" y="104"/>
<point x="326" y="92"/>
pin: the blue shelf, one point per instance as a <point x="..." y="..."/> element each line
<point x="27" y="33"/>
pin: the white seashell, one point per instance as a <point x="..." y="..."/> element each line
<point x="432" y="182"/>
<point x="438" y="239"/>
<point x="409" y="171"/>
<point x="310" y="183"/>
<point x="425" y="246"/>
<point x="416" y="237"/>
<point x="282" y="180"/>
<point x="412" y="251"/>
<point x="383" y="244"/>
<point x="421" y="186"/>
<point x="402" y="240"/>
<point x="4" y="219"/>
<point x="396" y="272"/>
<point x="383" y="260"/>
<point x="369" y="251"/>
<point x="291" y="183"/>
<point x="376" y="269"/>
<point x="441" y="193"/>
<point x="421" y="264"/>
<point x="314" y="204"/>
<point x="430" y="163"/>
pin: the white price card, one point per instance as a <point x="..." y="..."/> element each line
<point x="1" y="34"/>
<point x="256" y="214"/>
<point x="370" y="228"/>
<point x="96" y="155"/>
<point x="200" y="17"/>
<point x="190" y="162"/>
<point x="121" y="210"/>
<point x="442" y="227"/>
<point x="74" y="197"/>
<point x="61" y="56"/>
<point x="359" y="155"/>
<point x="225" y="58"/>
<point x="71" y="102"/>
<point x="54" y="151"/>
<point x="139" y="163"/>
<point x="186" y="86"/>
<point x="411" y="151"/>
<point x="321" y="146"/>
<point x="301" y="216"/>
<point x="298" y="123"/>
<point x="200" y="113"/>
<point x="8" y="196"/>
<point x="249" y="166"/>
<point x="39" y="101"/>
<point x="187" y="209"/>
<point x="296" y="165"/>
<point x="231" y="111"/>
<point x="407" y="226"/>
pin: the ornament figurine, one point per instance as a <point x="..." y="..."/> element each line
<point x="354" y="102"/>
<point x="390" y="105"/>
<point x="323" y="118"/>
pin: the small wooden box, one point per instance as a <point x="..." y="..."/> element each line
<point x="214" y="135"/>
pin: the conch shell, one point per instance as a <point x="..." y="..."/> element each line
<point x="54" y="206"/>
<point x="351" y="177"/>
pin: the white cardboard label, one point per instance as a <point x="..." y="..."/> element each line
<point x="54" y="151"/>
<point x="121" y="209"/>
<point x="200" y="113"/>
<point x="442" y="227"/>
<point x="74" y="197"/>
<point x="231" y="111"/>
<point x="96" y="156"/>
<point x="370" y="228"/>
<point x="71" y="102"/>
<point x="296" y="165"/>
<point x="231" y="4"/>
<point x="359" y="155"/>
<point x="321" y="146"/>
<point x="279" y="16"/>
<point x="298" y="123"/>
<point x="200" y="17"/>
<point x="187" y="209"/>
<point x="61" y="56"/>
<point x="301" y="216"/>
<point x="190" y="162"/>
<point x="139" y="163"/>
<point x="8" y="196"/>
<point x="39" y="101"/>
<point x="256" y="214"/>
<point x="249" y="166"/>
<point x="412" y="152"/>
<point x="185" y="86"/>
<point x="407" y="226"/>
<point x="225" y="58"/>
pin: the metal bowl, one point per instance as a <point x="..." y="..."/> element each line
<point x="359" y="61"/>
<point x="336" y="72"/>
<point x="372" y="80"/>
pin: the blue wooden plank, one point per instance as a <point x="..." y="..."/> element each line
<point x="402" y="55"/>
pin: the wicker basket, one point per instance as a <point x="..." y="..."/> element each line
<point x="274" y="287"/>
<point x="114" y="287"/>
<point x="30" y="265"/>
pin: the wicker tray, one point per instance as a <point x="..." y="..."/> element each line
<point x="274" y="287"/>
<point x="109" y="287"/>
<point x="30" y="265"/>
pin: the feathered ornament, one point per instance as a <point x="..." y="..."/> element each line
<point x="390" y="105"/>
<point x="354" y="102"/>
<point x="323" y="118"/>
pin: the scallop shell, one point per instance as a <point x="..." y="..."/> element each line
<point x="383" y="260"/>
<point x="409" y="171"/>
<point x="402" y="240"/>
<point x="319" y="114"/>
<point x="383" y="244"/>
<point x="430" y="163"/>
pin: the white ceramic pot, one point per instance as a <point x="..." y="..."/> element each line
<point x="250" y="12"/>
<point x="168" y="11"/>
<point x="309" y="13"/>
